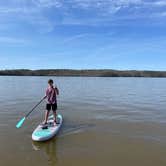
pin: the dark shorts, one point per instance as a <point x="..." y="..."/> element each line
<point x="52" y="107"/>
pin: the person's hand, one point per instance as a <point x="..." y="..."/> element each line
<point x="44" y="97"/>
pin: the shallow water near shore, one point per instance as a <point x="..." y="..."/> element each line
<point x="107" y="121"/>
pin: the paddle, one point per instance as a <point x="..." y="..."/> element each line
<point x="20" y="123"/>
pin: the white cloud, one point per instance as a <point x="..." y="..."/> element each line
<point x="11" y="40"/>
<point x="104" y="3"/>
<point x="159" y="14"/>
<point x="31" y="6"/>
<point x="104" y="7"/>
<point x="159" y="3"/>
<point x="76" y="37"/>
<point x="11" y="10"/>
<point x="31" y="14"/>
<point x="35" y="12"/>
<point x="47" y="3"/>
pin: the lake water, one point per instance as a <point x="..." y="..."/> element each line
<point x="107" y="121"/>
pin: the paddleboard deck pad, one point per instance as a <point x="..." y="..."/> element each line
<point x="48" y="131"/>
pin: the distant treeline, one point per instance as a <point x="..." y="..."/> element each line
<point x="89" y="73"/>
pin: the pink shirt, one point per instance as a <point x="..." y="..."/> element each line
<point x="51" y="95"/>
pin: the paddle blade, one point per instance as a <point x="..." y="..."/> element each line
<point x="19" y="124"/>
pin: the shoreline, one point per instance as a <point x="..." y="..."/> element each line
<point x="84" y="73"/>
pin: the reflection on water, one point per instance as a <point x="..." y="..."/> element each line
<point x="49" y="148"/>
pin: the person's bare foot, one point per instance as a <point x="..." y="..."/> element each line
<point x="44" y="123"/>
<point x="55" y="123"/>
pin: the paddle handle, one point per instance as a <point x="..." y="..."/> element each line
<point x="34" y="107"/>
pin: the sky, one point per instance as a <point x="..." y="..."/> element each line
<point x="83" y="34"/>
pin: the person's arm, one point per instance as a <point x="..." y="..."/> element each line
<point x="56" y="90"/>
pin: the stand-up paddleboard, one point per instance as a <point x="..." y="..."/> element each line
<point x="46" y="132"/>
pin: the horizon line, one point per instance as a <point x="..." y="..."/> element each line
<point x="78" y="69"/>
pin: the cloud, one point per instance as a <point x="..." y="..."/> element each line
<point x="159" y="3"/>
<point x="47" y="3"/>
<point x="44" y="15"/>
<point x="104" y="3"/>
<point x="11" y="40"/>
<point x="76" y="37"/>
<point x="34" y="12"/>
<point x="104" y="7"/>
<point x="40" y="6"/>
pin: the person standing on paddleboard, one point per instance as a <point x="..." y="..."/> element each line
<point x="50" y="96"/>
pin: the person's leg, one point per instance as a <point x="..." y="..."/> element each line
<point x="54" y="108"/>
<point x="46" y="116"/>
<point x="54" y="112"/>
<point x="48" y="108"/>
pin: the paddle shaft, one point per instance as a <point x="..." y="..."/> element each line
<point x="34" y="108"/>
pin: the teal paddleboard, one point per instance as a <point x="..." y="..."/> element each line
<point x="46" y="132"/>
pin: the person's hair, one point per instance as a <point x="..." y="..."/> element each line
<point x="50" y="81"/>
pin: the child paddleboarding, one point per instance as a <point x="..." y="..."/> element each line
<point x="51" y="98"/>
<point x="52" y="124"/>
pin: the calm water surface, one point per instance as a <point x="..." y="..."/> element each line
<point x="107" y="121"/>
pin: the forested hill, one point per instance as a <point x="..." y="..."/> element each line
<point x="90" y="73"/>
